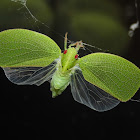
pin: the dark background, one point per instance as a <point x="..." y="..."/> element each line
<point x="29" y="112"/>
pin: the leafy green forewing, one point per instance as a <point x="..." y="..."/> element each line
<point x="21" y="47"/>
<point x="113" y="74"/>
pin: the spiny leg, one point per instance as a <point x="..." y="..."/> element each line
<point x="65" y="41"/>
<point x="79" y="45"/>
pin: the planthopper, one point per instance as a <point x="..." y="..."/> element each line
<point x="98" y="80"/>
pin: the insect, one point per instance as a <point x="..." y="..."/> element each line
<point x="98" y="80"/>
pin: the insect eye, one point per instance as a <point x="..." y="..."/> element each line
<point x="76" y="56"/>
<point x="65" y="51"/>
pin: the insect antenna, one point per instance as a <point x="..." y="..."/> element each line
<point x="135" y="100"/>
<point x="85" y="48"/>
<point x="85" y="44"/>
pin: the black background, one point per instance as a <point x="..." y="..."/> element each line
<point x="29" y="112"/>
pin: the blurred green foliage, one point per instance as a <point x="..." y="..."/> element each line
<point x="108" y="7"/>
<point x="15" y="15"/>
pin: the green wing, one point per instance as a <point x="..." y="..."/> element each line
<point x="24" y="48"/>
<point x="113" y="74"/>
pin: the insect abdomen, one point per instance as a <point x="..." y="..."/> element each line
<point x="59" y="83"/>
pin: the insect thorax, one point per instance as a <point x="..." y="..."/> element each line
<point x="68" y="59"/>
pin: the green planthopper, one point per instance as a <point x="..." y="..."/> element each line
<point x="98" y="80"/>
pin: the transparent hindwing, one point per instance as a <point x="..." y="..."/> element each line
<point x="30" y="75"/>
<point x="90" y="95"/>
